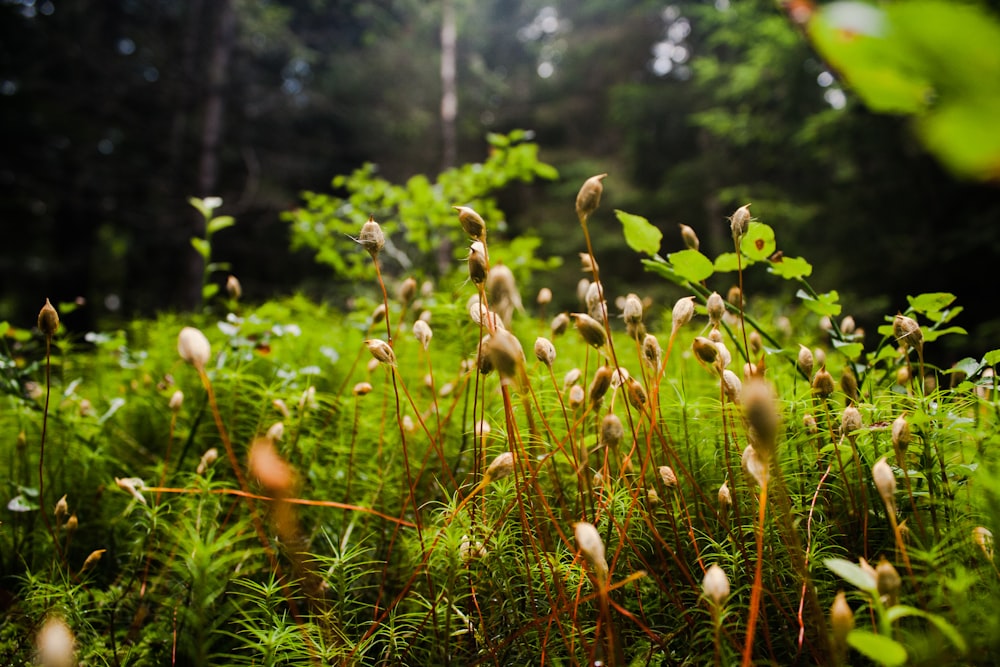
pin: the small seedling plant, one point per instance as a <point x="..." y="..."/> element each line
<point x="454" y="475"/>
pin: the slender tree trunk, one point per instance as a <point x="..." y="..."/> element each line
<point x="449" y="94"/>
<point x="223" y="38"/>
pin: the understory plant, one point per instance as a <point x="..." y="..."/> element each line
<point x="447" y="476"/>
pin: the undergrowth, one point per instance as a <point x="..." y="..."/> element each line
<point x="720" y="480"/>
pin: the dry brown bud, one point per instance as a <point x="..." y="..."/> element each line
<point x="756" y="343"/>
<point x="572" y="376"/>
<point x="732" y="386"/>
<point x="233" y="288"/>
<point x="739" y="221"/>
<point x="378" y="314"/>
<point x="715" y="585"/>
<point x="850" y="420"/>
<point x="270" y="468"/>
<point x="559" y="324"/>
<point x="612" y="431"/>
<point x="907" y="332"/>
<point x="761" y="411"/>
<point x="600" y="384"/>
<point x="176" y="401"/>
<point x="371" y="237"/>
<point x="132" y="486"/>
<point x="72" y="523"/>
<point x="632" y="312"/>
<point x="689" y="236"/>
<point x="502" y="466"/>
<point x="61" y="510"/>
<point x="477" y="263"/>
<point x="983" y="538"/>
<point x="423" y="333"/>
<point x="885" y="482"/>
<point x="545" y="351"/>
<point x="589" y="197"/>
<point x="588" y="540"/>
<point x="805" y="360"/>
<point x="281" y="407"/>
<point x="207" y="459"/>
<point x="381" y="351"/>
<point x="841" y="619"/>
<point x="276" y="432"/>
<point x="544" y="296"/>
<point x="587" y="265"/>
<point x="887" y="581"/>
<point x="576" y="396"/>
<point x="194" y="347"/>
<point x="754" y="466"/>
<point x="407" y="290"/>
<point x="822" y="384"/>
<point x="92" y="560"/>
<point x="56" y="643"/>
<point x="705" y="350"/>
<point x="668" y="477"/>
<point x="716" y="309"/>
<point x="48" y="320"/>
<point x="847" y="325"/>
<point x="635" y="394"/>
<point x="809" y="422"/>
<point x="849" y="385"/>
<point x="505" y="353"/>
<point x="651" y="351"/>
<point x="725" y="496"/>
<point x="590" y="329"/>
<point x="471" y="222"/>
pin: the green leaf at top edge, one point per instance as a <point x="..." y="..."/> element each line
<point x="640" y="234"/>
<point x="882" y="650"/>
<point x="692" y="265"/>
<point x="851" y="573"/>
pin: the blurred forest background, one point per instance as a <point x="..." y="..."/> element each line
<point x="114" y="113"/>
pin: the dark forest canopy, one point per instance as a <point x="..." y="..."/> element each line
<point x="113" y="114"/>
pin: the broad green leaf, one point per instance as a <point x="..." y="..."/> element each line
<point x="691" y="265"/>
<point x="21" y="504"/>
<point x="728" y="262"/>
<point x="849" y="350"/>
<point x="930" y="302"/>
<point x="202" y="246"/>
<point x="852" y="574"/>
<point x="991" y="358"/>
<point x="208" y="291"/>
<point x="878" y="648"/>
<point x="791" y="268"/>
<point x="947" y="629"/>
<point x="931" y="335"/>
<point x="758" y="243"/>
<point x="823" y="304"/>
<point x="640" y="234"/>
<point x="220" y="223"/>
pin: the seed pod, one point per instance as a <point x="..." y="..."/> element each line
<point x="850" y="421"/>
<point x="739" y="221"/>
<point x="705" y="350"/>
<point x="596" y="306"/>
<point x="668" y="477"/>
<point x="572" y="376"/>
<point x="588" y="540"/>
<point x="194" y="347"/>
<point x="653" y="498"/>
<point x="176" y="401"/>
<point x="48" y="320"/>
<point x="92" y="560"/>
<point x="61" y="510"/>
<point x="233" y="288"/>
<point x="887" y="581"/>
<point x="381" y="351"/>
<point x="600" y="384"/>
<point x="651" y="351"/>
<point x="308" y="399"/>
<point x="371" y="237"/>
<point x="407" y="290"/>
<point x="56" y="643"/>
<point x="72" y="523"/>
<point x="900" y="434"/>
<point x="760" y="409"/>
<point x="885" y="482"/>
<point x="590" y="330"/>
<point x="983" y="538"/>
<point x="716" y="309"/>
<point x="682" y="313"/>
<point x="847" y="325"/>
<point x="277" y="431"/>
<point x="735" y="297"/>
<point x="502" y="466"/>
<point x="589" y="197"/>
<point x="131" y="485"/>
<point x="422" y="332"/>
<point x="903" y="376"/>
<point x="841" y="620"/>
<point x="544" y="296"/>
<point x="505" y="353"/>
<point x="809" y="422"/>
<point x="725" y="496"/>
<point x="477" y="263"/>
<point x="270" y="468"/>
<point x="732" y="386"/>
<point x="581" y="290"/>
<point x="378" y="314"/>
<point x="907" y="332"/>
<point x="503" y="293"/>
<point x="559" y="324"/>
<point x="636" y="395"/>
<point x="612" y="431"/>
<point x="754" y="466"/>
<point x="587" y="263"/>
<point x="756" y="343"/>
<point x="471" y="222"/>
<point x="619" y="376"/>
<point x="689" y="236"/>
<point x="207" y="459"/>
<point x="576" y="396"/>
<point x="281" y="407"/>
<point x="849" y="385"/>
<point x="632" y="312"/>
<point x="715" y="585"/>
<point x="805" y="360"/>
<point x="545" y="351"/>
<point x="822" y="384"/>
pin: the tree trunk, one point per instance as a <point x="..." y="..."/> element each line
<point x="449" y="93"/>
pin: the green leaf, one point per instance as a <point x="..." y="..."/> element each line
<point x="728" y="262"/>
<point x="220" y="223"/>
<point x="640" y="234"/>
<point x="849" y="350"/>
<point x="931" y="335"/>
<point x="546" y="171"/>
<point x="202" y="246"/>
<point x="791" y="268"/>
<point x="758" y="243"/>
<point x="822" y="304"/>
<point x="947" y="629"/>
<point x="878" y="648"/>
<point x="208" y="291"/>
<point x="691" y="265"/>
<point x="930" y="302"/>
<point x="991" y="358"/>
<point x="852" y="574"/>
